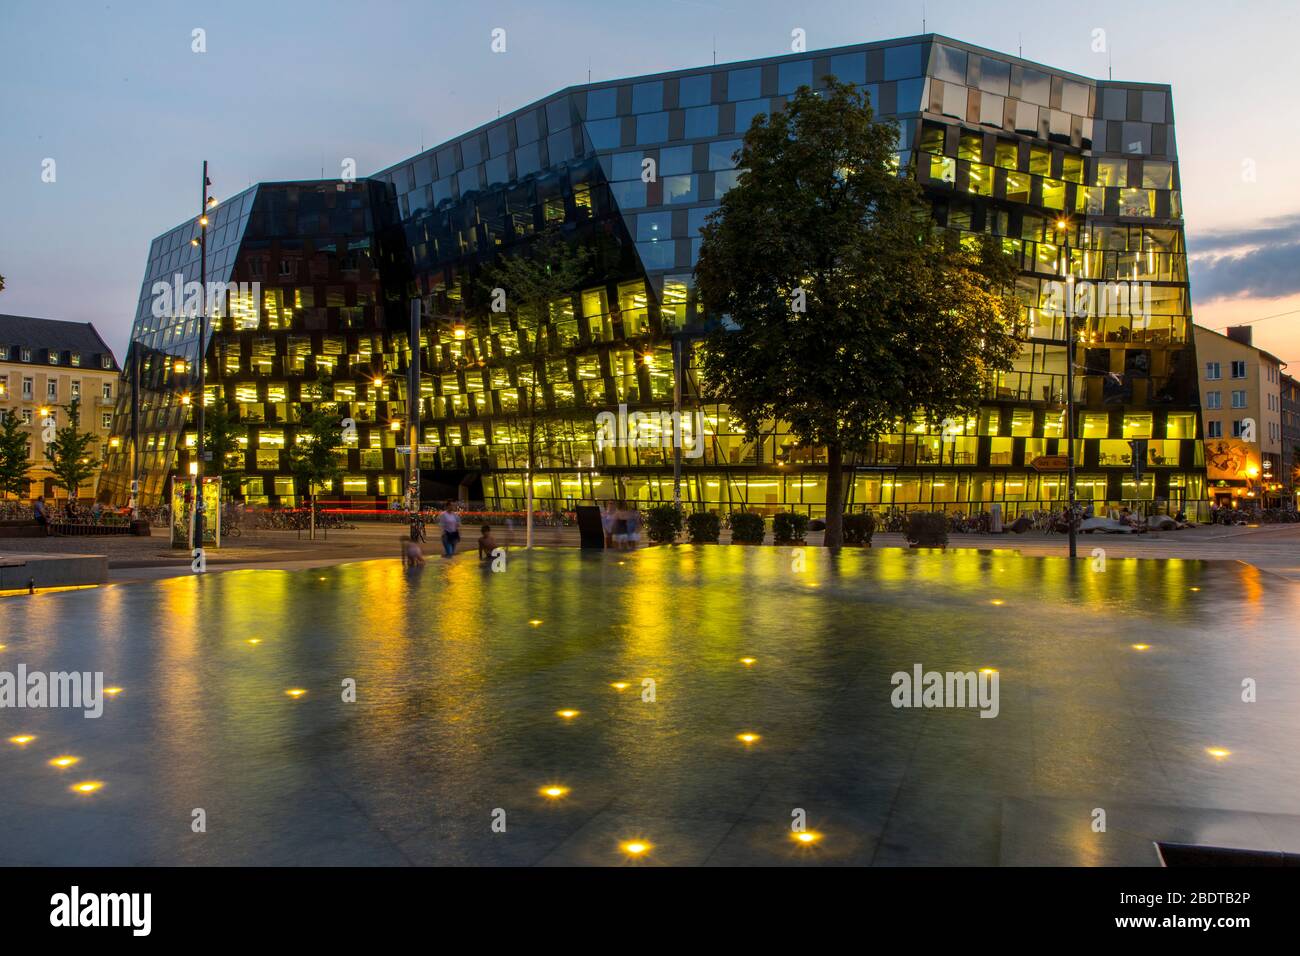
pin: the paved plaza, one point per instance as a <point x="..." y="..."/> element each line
<point x="622" y="684"/>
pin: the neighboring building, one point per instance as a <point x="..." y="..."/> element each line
<point x="1002" y="146"/>
<point x="46" y="365"/>
<point x="1290" y="438"/>
<point x="1241" y="396"/>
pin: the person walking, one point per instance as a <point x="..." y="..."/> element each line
<point x="42" y="515"/>
<point x="450" y="522"/>
<point x="607" y="524"/>
<point x="633" y="534"/>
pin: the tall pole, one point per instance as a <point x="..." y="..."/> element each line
<point x="678" y="430"/>
<point x="413" y="416"/>
<point x="135" y="430"/>
<point x="203" y="346"/>
<point x="1069" y="388"/>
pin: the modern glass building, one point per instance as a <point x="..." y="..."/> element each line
<point x="1066" y="170"/>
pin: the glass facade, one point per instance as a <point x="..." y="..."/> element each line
<point x="631" y="169"/>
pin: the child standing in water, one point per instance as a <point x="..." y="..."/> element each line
<point x="412" y="556"/>
<point x="486" y="543"/>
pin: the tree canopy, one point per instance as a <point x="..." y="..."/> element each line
<point x="847" y="309"/>
<point x="69" y="453"/>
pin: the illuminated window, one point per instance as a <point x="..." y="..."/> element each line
<point x="1095" y="425"/>
<point x="1005" y="155"/>
<point x="1110" y="172"/>
<point x="1137" y="425"/>
<point x="1180" y="425"/>
<point x="943" y="169"/>
<point x="1054" y="193"/>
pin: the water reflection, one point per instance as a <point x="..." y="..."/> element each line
<point x="460" y="673"/>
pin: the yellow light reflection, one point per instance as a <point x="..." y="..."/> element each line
<point x="22" y="740"/>
<point x="1141" y="647"/>
<point x="636" y="847"/>
<point x="112" y="691"/>
<point x="554" y="792"/>
<point x="807" y="837"/>
<point x="619" y="685"/>
<point x="748" y="738"/>
<point x="64" y="761"/>
<point x="535" y="623"/>
<point x="86" y="786"/>
<point x="749" y="661"/>
<point x="567" y="714"/>
<point x="1218" y="753"/>
<point x="295" y="692"/>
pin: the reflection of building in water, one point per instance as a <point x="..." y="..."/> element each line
<point x="632" y="168"/>
<point x="1241" y="394"/>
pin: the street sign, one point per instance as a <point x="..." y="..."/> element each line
<point x="1050" y="463"/>
<point x="424" y="449"/>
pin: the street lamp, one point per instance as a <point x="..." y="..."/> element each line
<point x="196" y="468"/>
<point x="1063" y="228"/>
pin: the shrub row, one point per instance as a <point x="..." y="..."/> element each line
<point x="664" y="525"/>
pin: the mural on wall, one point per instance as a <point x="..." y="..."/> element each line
<point x="1227" y="459"/>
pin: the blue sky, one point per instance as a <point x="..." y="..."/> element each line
<point x="114" y="94"/>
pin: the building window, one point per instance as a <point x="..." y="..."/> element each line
<point x="76" y="391"/>
<point x="26" y="354"/>
<point x="4" y="353"/>
<point x="75" y="359"/>
<point x="52" y="388"/>
<point x="1214" y="400"/>
<point x="1214" y="429"/>
<point x="106" y="361"/>
<point x="1213" y="371"/>
<point x="27" y="416"/>
<point x="1238" y="398"/>
<point x="106" y="420"/>
<point x="108" y="390"/>
<point x="27" y="389"/>
<point x="1236" y="428"/>
<point x="1238" y="369"/>
<point x="53" y="356"/>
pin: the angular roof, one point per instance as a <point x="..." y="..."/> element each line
<point x="54" y="335"/>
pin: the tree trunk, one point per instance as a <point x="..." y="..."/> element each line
<point x="834" y="538"/>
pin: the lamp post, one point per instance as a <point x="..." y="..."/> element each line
<point x="1063" y="227"/>
<point x="199" y="509"/>
<point x="136" y="358"/>
<point x="413" y="417"/>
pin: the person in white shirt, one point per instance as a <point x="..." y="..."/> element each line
<point x="450" y="522"/>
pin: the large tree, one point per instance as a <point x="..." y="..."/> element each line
<point x="528" y="285"/>
<point x="14" y="463"/>
<point x="312" y="457"/>
<point x="848" y="310"/>
<point x="221" y="433"/>
<point x="69" y="453"/>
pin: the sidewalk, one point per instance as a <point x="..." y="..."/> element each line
<point x="1273" y="548"/>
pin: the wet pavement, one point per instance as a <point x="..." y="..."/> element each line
<point x="1114" y="687"/>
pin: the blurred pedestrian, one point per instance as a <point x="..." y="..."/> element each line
<point x="450" y="522"/>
